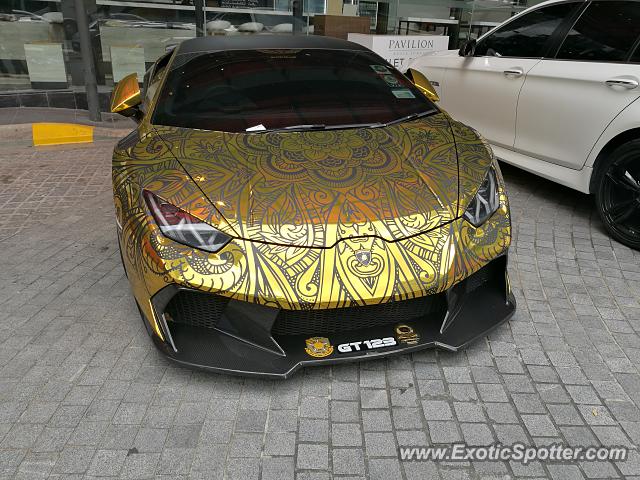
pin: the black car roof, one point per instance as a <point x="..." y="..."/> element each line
<point x="260" y="42"/>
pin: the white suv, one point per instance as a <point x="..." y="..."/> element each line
<point x="555" y="91"/>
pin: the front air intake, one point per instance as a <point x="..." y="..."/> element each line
<point x="196" y="309"/>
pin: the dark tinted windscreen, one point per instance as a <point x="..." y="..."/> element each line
<point x="246" y="89"/>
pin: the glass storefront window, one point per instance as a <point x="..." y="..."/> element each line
<point x="31" y="34"/>
<point x="40" y="46"/>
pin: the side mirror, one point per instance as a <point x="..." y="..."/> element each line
<point x="423" y="84"/>
<point x="126" y="97"/>
<point x="468" y="49"/>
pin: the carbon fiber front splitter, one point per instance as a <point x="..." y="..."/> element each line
<point x="244" y="346"/>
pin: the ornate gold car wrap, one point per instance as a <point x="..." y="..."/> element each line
<point x="317" y="219"/>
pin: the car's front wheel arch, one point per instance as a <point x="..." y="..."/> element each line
<point x="617" y="193"/>
<point x="601" y="160"/>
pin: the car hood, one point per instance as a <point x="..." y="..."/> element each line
<point x="315" y="188"/>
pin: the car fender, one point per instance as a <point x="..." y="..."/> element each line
<point x="434" y="66"/>
<point x="626" y="120"/>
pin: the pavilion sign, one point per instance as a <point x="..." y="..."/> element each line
<point x="398" y="50"/>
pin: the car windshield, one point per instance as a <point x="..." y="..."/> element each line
<point x="262" y="90"/>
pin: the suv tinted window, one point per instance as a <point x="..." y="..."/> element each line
<point x="605" y="32"/>
<point x="526" y="36"/>
<point x="635" y="58"/>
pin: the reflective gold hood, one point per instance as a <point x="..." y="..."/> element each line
<point x="314" y="188"/>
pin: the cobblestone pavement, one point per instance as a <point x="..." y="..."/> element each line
<point x="84" y="394"/>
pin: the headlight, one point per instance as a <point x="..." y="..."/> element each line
<point x="485" y="202"/>
<point x="183" y="227"/>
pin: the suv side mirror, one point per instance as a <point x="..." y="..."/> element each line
<point x="468" y="49"/>
<point x="423" y="84"/>
<point x="126" y="97"/>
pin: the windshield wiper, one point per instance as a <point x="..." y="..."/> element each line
<point x="321" y="126"/>
<point x="413" y="116"/>
<point x="311" y="126"/>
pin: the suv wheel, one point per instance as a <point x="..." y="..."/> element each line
<point x="618" y="194"/>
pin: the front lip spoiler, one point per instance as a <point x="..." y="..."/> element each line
<point x="474" y="314"/>
<point x="371" y="355"/>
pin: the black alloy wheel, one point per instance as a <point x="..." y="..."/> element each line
<point x="618" y="194"/>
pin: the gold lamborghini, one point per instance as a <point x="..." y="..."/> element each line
<point x="288" y="201"/>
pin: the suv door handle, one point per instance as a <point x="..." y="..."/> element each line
<point x="513" y="72"/>
<point x="629" y="83"/>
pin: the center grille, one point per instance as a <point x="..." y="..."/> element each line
<point x="333" y="320"/>
<point x="199" y="309"/>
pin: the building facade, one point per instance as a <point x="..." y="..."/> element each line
<point x="41" y="64"/>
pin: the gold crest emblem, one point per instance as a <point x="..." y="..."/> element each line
<point x="318" y="347"/>
<point x="406" y="334"/>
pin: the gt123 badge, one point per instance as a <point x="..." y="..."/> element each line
<point x="367" y="345"/>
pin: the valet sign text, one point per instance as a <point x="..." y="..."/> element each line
<point x="399" y="50"/>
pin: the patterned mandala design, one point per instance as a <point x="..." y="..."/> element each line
<point x="301" y="204"/>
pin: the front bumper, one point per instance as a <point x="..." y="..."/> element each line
<point x="238" y="337"/>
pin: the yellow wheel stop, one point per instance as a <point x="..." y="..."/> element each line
<point x="61" y="133"/>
